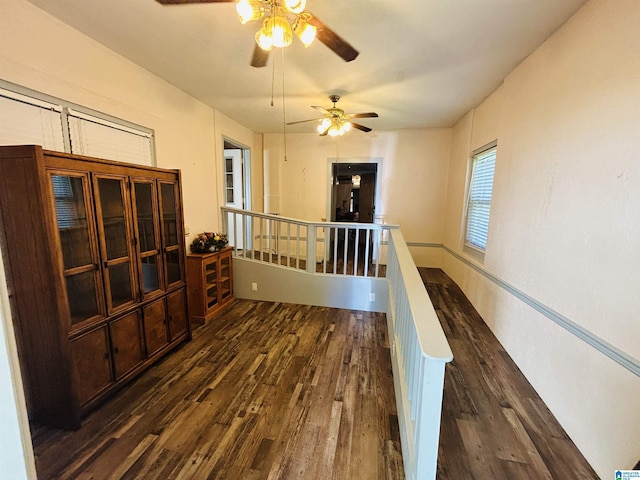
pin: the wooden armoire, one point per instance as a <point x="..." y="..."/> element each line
<point x="94" y="256"/>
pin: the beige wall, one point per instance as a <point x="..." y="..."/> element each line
<point x="413" y="169"/>
<point x="565" y="222"/>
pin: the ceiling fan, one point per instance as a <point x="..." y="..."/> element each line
<point x="282" y="10"/>
<point x="334" y="121"/>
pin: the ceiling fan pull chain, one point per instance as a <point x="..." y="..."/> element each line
<point x="273" y="80"/>
<point x="284" y="111"/>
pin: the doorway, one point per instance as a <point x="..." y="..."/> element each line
<point x="353" y="193"/>
<point x="237" y="189"/>
<point x="354" y="197"/>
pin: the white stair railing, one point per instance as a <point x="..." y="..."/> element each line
<point x="419" y="352"/>
<point x="338" y="248"/>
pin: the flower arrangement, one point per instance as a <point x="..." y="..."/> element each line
<point x="206" y="242"/>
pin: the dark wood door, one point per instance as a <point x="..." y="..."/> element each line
<point x="178" y="319"/>
<point x="91" y="364"/>
<point x="126" y="343"/>
<point x="155" y="326"/>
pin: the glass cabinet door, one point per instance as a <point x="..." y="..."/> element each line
<point x="73" y="207"/>
<point x="117" y="252"/>
<point x="171" y="232"/>
<point x="147" y="226"/>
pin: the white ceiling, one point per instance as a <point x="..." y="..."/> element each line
<point x="422" y="63"/>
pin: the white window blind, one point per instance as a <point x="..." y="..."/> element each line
<point x="28" y="121"/>
<point x="65" y="207"/>
<point x="479" y="200"/>
<point x="96" y="137"/>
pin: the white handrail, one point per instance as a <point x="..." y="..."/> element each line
<point x="419" y="352"/>
<point x="339" y="248"/>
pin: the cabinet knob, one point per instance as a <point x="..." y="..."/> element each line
<point x="115" y="350"/>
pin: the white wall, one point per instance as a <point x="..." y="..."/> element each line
<point x="16" y="452"/>
<point x="565" y="223"/>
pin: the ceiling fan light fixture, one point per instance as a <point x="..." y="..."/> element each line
<point x="249" y="10"/>
<point x="334" y="131"/>
<point x="304" y="31"/>
<point x="295" y="6"/>
<point x="281" y="32"/>
<point x="263" y="37"/>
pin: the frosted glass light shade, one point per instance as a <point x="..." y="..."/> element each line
<point x="281" y="32"/>
<point x="249" y="10"/>
<point x="305" y="32"/>
<point x="263" y="37"/>
<point x="295" y="6"/>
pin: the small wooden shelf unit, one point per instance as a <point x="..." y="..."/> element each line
<point x="209" y="284"/>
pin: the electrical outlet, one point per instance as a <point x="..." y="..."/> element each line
<point x="254" y="286"/>
<point x="372" y="297"/>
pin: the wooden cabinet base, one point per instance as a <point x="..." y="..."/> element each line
<point x="209" y="284"/>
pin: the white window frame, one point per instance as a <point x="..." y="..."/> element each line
<point x="131" y="145"/>
<point x="478" y="209"/>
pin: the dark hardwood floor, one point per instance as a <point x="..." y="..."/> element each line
<point x="277" y="391"/>
<point x="266" y="391"/>
<point x="494" y="424"/>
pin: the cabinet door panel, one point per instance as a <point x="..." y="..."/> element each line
<point x="147" y="230"/>
<point x="115" y="227"/>
<point x="126" y="344"/>
<point x="211" y="283"/>
<point x="91" y="364"/>
<point x="225" y="284"/>
<point x="171" y="233"/>
<point x="78" y="243"/>
<point x="178" y="321"/>
<point x="81" y="294"/>
<point x="155" y="326"/>
<point x="120" y="284"/>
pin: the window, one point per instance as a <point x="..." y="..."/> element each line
<point x="96" y="137"/>
<point x="28" y="121"/>
<point x="28" y="117"/>
<point x="479" y="200"/>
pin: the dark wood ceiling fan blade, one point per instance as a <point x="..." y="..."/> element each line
<point x="362" y="115"/>
<point x="360" y="127"/>
<point x="323" y="110"/>
<point x="333" y="41"/>
<point x="324" y="134"/>
<point x="180" y="2"/>
<point x="304" y="121"/>
<point x="259" y="58"/>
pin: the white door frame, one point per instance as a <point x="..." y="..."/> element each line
<point x="242" y="186"/>
<point x="377" y="216"/>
